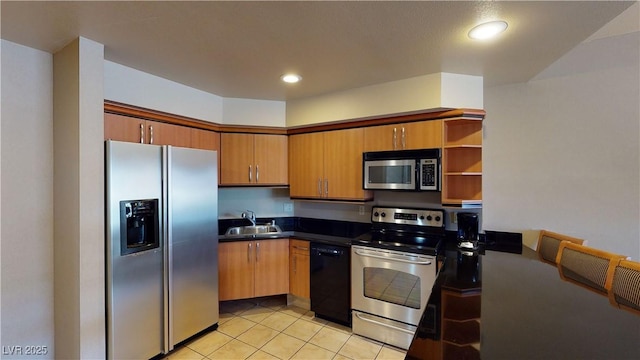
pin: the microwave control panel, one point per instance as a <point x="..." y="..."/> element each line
<point x="420" y="217"/>
<point x="428" y="174"/>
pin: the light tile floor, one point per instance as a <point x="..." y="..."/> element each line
<point x="266" y="328"/>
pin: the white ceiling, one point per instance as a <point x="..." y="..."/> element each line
<point x="240" y="49"/>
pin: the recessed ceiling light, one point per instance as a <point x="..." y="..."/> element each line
<point x="291" y="78"/>
<point x="488" y="30"/>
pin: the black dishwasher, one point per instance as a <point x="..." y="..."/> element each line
<point x="331" y="282"/>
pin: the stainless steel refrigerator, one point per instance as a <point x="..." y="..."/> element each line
<point x="161" y="247"/>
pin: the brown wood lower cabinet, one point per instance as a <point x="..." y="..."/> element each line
<point x="250" y="269"/>
<point x="299" y="273"/>
<point x="459" y="328"/>
<point x="460" y="325"/>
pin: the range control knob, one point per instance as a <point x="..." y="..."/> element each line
<point x="376" y="214"/>
<point x="437" y="218"/>
<point x="429" y="218"/>
<point x="421" y="217"/>
<point x="383" y="214"/>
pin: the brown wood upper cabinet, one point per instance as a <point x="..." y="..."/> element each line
<point x="205" y="140"/>
<point x="131" y="129"/>
<point x="253" y="159"/>
<point x="404" y="136"/>
<point x="327" y="165"/>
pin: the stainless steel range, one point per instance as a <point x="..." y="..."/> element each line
<point x="393" y="269"/>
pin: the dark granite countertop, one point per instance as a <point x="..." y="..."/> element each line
<point x="527" y="311"/>
<point x="327" y="239"/>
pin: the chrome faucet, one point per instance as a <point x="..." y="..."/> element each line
<point x="249" y="215"/>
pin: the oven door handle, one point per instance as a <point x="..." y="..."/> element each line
<point x="391" y="257"/>
<point x="367" y="319"/>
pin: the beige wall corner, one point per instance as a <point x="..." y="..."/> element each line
<point x="78" y="71"/>
<point x="434" y="91"/>
<point x="254" y="112"/>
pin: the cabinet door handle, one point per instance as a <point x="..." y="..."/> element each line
<point x="249" y="253"/>
<point x="249" y="173"/>
<point x="404" y="142"/>
<point x="257" y="250"/>
<point x="141" y="133"/>
<point x="295" y="266"/>
<point x="257" y="173"/>
<point x="326" y="187"/>
<point x="301" y="248"/>
<point x="395" y="137"/>
<point x="150" y="134"/>
<point x="320" y="187"/>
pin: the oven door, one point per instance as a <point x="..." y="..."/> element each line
<point x="389" y="174"/>
<point x="391" y="284"/>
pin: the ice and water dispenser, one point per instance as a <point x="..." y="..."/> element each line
<point x="139" y="226"/>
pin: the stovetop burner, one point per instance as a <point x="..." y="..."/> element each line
<point x="409" y="230"/>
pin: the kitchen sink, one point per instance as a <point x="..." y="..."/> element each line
<point x="266" y="229"/>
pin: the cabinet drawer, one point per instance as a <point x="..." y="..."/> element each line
<point x="300" y="247"/>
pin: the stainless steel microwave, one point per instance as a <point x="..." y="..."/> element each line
<point x="409" y="170"/>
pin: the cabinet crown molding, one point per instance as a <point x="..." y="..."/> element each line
<point x="114" y="107"/>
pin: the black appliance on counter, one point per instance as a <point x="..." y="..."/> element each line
<point x="331" y="282"/>
<point x="467" y="236"/>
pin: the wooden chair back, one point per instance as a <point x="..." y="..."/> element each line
<point x="549" y="243"/>
<point x="624" y="285"/>
<point x="585" y="266"/>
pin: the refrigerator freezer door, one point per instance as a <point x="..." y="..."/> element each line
<point x="134" y="281"/>
<point x="192" y="211"/>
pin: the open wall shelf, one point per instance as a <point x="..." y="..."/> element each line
<point x="462" y="162"/>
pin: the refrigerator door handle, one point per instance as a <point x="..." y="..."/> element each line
<point x="166" y="241"/>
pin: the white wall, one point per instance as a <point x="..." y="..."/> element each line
<point x="130" y="86"/>
<point x="562" y="152"/>
<point x="27" y="315"/>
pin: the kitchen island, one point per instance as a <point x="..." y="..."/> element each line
<point x="526" y="311"/>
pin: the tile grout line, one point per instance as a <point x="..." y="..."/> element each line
<point x="323" y="324"/>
